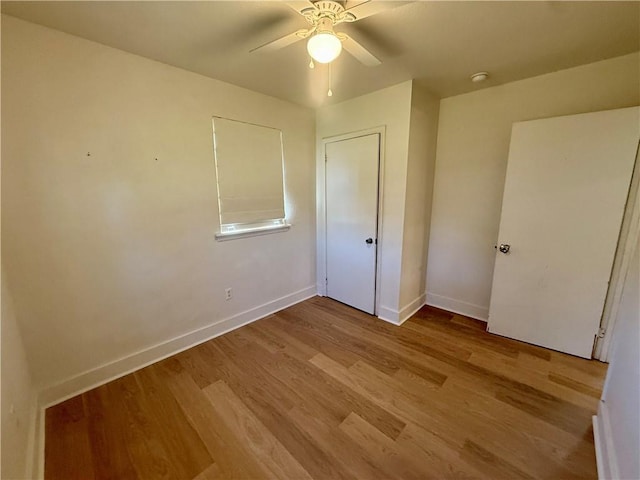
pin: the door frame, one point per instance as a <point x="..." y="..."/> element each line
<point x="321" y="210"/>
<point x="625" y="250"/>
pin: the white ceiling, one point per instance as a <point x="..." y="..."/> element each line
<point x="439" y="43"/>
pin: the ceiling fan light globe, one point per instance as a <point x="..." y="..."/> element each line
<point x="324" y="47"/>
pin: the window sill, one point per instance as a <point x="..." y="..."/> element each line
<point x="251" y="232"/>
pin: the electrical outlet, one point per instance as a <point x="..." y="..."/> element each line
<point x="227" y="294"/>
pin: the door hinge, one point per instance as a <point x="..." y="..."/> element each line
<point x="601" y="332"/>
<point x="326" y="282"/>
<point x="325" y="158"/>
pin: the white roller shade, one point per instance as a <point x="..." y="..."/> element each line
<point x="249" y="171"/>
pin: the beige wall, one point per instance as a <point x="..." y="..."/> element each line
<point x="18" y="402"/>
<point x="390" y="108"/>
<point x="423" y="132"/>
<point x="473" y="143"/>
<point x="113" y="253"/>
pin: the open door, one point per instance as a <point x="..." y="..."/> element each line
<point x="565" y="193"/>
<point x="352" y="168"/>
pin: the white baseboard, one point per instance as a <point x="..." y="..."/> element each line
<point x="399" y="317"/>
<point x="408" y="310"/>
<point x="458" y="306"/>
<point x="389" y="315"/>
<point x="110" y="371"/>
<point x="606" y="460"/>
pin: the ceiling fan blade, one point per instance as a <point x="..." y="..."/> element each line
<point x="358" y="51"/>
<point x="283" y="41"/>
<point x="301" y="6"/>
<point x="372" y="7"/>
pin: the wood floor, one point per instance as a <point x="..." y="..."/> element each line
<point x="322" y="391"/>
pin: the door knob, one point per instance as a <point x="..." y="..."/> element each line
<point x="504" y="248"/>
<point x="369" y="240"/>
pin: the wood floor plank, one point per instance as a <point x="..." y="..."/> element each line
<point x="386" y="335"/>
<point x="259" y="441"/>
<point x="332" y="395"/>
<point x="388" y="396"/>
<point x="575" y="385"/>
<point x="465" y="337"/>
<point x="549" y="408"/>
<point x="198" y="362"/>
<point x="513" y="370"/>
<point x="290" y="344"/>
<point x="323" y="391"/>
<point x="259" y="379"/>
<point x="351" y="457"/>
<point x="340" y="315"/>
<point x="150" y="457"/>
<point x="517" y="393"/>
<point x="383" y="448"/>
<point x="492" y="464"/>
<point x="274" y="415"/>
<point x="425" y="317"/>
<point x="381" y="358"/>
<point x="185" y="449"/>
<point x="295" y="326"/>
<point x="535" y="446"/>
<point x="596" y="370"/>
<point x="580" y="372"/>
<point x="212" y="472"/>
<point x="227" y="452"/>
<point x="69" y="424"/>
<point x="478" y="421"/>
<point x="469" y="322"/>
<point x="259" y="336"/>
<point x="393" y="356"/>
<point x="418" y="350"/>
<point x="106" y="428"/>
<point x="442" y="461"/>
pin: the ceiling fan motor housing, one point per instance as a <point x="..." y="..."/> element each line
<point x="329" y="10"/>
<point x="329" y="6"/>
<point x="325" y="25"/>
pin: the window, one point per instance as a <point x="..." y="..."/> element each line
<point x="249" y="169"/>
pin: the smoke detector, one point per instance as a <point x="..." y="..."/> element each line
<point x="479" y="77"/>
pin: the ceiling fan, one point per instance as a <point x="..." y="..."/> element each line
<point x="325" y="44"/>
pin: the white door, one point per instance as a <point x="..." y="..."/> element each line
<point x="565" y="193"/>
<point x="352" y="220"/>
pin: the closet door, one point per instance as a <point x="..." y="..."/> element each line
<point x="565" y="193"/>
<point x="352" y="167"/>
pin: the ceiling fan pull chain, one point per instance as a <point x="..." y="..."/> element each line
<point x="311" y="64"/>
<point x="329" y="93"/>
